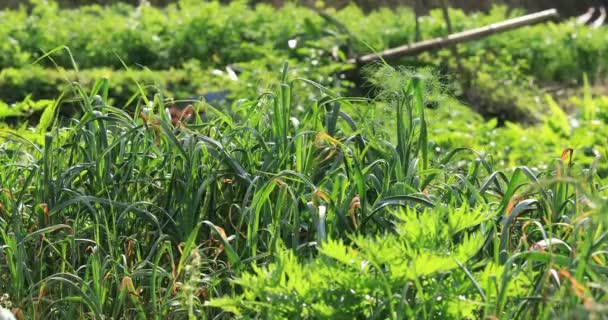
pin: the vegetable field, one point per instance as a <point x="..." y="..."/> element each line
<point x="219" y="161"/>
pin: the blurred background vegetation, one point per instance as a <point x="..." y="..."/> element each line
<point x="186" y="46"/>
<point x="566" y="7"/>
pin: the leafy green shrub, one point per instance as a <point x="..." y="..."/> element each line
<point x="214" y="34"/>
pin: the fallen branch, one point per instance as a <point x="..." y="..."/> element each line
<point x="470" y="35"/>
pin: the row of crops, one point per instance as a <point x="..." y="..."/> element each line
<point x="444" y="186"/>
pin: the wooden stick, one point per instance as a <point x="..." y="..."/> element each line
<point x="470" y="35"/>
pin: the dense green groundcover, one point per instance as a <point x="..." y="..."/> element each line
<point x="275" y="210"/>
<point x="217" y="35"/>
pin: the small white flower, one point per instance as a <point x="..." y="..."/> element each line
<point x="292" y="43"/>
<point x="6" y="315"/>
